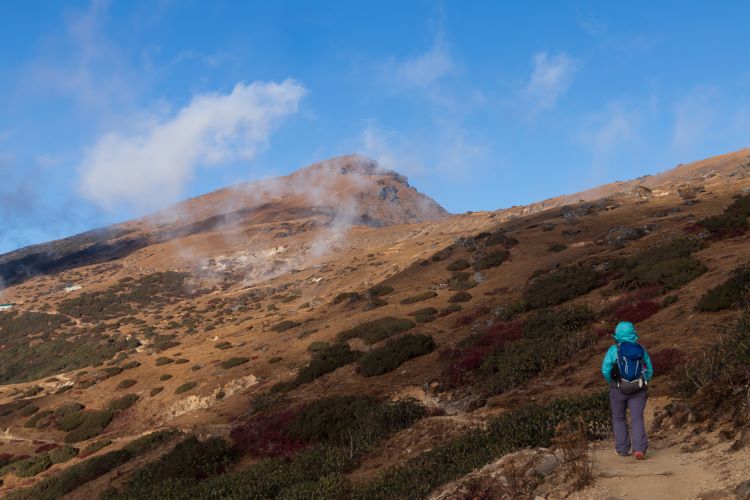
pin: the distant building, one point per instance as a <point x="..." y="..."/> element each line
<point x="7" y="307"/>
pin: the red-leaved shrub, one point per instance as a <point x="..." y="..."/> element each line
<point x="462" y="361"/>
<point x="666" y="360"/>
<point x="471" y="317"/>
<point x="636" y="312"/>
<point x="265" y="436"/>
<point x="46" y="447"/>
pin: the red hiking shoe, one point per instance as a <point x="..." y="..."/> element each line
<point x="639" y="455"/>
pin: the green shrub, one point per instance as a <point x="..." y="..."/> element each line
<point x="181" y="361"/>
<point x="557" y="247"/>
<point x="232" y="362"/>
<point x="561" y="285"/>
<point x="95" y="446"/>
<point x="458" y="265"/>
<point x="93" y="424"/>
<point x="397" y="351"/>
<point x="70" y="421"/>
<point x="274" y="360"/>
<point x="356" y="422"/>
<point x="126" y="384"/>
<point x="428" y="311"/>
<point x="317" y="346"/>
<point x="165" y="377"/>
<point x="285" y="325"/>
<point x="164" y="361"/>
<point x="185" y="387"/>
<point x="668" y="301"/>
<point x="377" y="330"/>
<point x="459" y="297"/>
<point x="155" y="391"/>
<point x="62" y="454"/>
<point x="379" y="291"/>
<point x="669" y="265"/>
<point x="122" y="403"/>
<point x="450" y="309"/>
<point x="729" y="294"/>
<point x="325" y="361"/>
<point x="348" y="297"/>
<point x="31" y="466"/>
<point x="461" y="281"/>
<point x="374" y="303"/>
<point x="548" y="338"/>
<point x="37" y="419"/>
<point x="73" y="477"/>
<point x="131" y="365"/>
<point x="529" y="426"/>
<point x="28" y="410"/>
<point x="492" y="259"/>
<point x="419" y="297"/>
<point x="189" y="460"/>
<point x="443" y="254"/>
<point x="223" y="345"/>
<point x="511" y="311"/>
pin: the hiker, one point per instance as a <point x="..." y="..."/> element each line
<point x="627" y="368"/>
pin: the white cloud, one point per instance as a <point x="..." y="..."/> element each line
<point x="609" y="129"/>
<point x="550" y="79"/>
<point x="694" y="116"/>
<point x="150" y="169"/>
<point x="421" y="71"/>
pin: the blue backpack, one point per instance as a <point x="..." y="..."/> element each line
<point x="630" y="361"/>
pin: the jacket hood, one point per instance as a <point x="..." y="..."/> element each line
<point x="625" y="332"/>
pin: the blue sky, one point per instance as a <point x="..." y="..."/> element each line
<point x="110" y="110"/>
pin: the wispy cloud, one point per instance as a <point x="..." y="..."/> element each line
<point x="420" y="71"/>
<point x="149" y="169"/>
<point x="694" y="114"/>
<point x="551" y="77"/>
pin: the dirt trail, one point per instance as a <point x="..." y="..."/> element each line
<point x="669" y="472"/>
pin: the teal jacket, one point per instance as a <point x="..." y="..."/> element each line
<point x="625" y="332"/>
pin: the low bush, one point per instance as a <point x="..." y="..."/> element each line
<point x="185" y="387"/>
<point x="126" y="384"/>
<point x="461" y="280"/>
<point x="165" y="377"/>
<point x="236" y="361"/>
<point x="379" y="290"/>
<point x="419" y="297"/>
<point x="557" y="247"/>
<point x="122" y="403"/>
<point x="668" y="301"/>
<point x="561" y="285"/>
<point x="131" y="365"/>
<point x="729" y="294"/>
<point x="318" y="345"/>
<point x="666" y="360"/>
<point x="459" y="297"/>
<point x="443" y="254"/>
<point x="325" y="361"/>
<point x="396" y="352"/>
<point x="374" y="303"/>
<point x="274" y="359"/>
<point x="181" y="361"/>
<point x="94" y="447"/>
<point x="285" y="325"/>
<point x="189" y="461"/>
<point x="449" y="310"/>
<point x="31" y="466"/>
<point x="70" y="421"/>
<point x="37" y="419"/>
<point x="73" y="477"/>
<point x="377" y="330"/>
<point x="459" y="265"/>
<point x="725" y="225"/>
<point x="530" y="426"/>
<point x="155" y="391"/>
<point x="356" y="422"/>
<point x="62" y="454"/>
<point x="266" y="436"/>
<point x="92" y="425"/>
<point x="223" y="345"/>
<point x="164" y="361"/>
<point x="635" y="312"/>
<point x="28" y="410"/>
<point x="348" y="297"/>
<point x="669" y="266"/>
<point x="425" y="311"/>
<point x="548" y="338"/>
<point x="492" y="259"/>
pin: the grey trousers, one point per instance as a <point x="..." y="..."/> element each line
<point x="636" y="403"/>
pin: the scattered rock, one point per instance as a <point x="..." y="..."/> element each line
<point x="743" y="490"/>
<point x="619" y="236"/>
<point x="642" y="192"/>
<point x="547" y="465"/>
